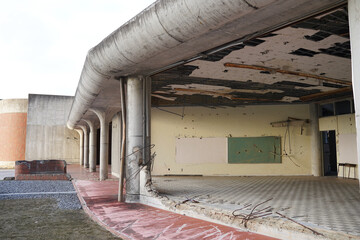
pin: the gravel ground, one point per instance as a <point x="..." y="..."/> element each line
<point x="6" y="173"/>
<point x="62" y="191"/>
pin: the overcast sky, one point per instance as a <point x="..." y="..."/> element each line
<point x="43" y="43"/>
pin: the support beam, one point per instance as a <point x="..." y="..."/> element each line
<point x="134" y="137"/>
<point x="315" y="96"/>
<point x="316" y="161"/>
<point x="92" y="145"/>
<point x="86" y="146"/>
<point x="354" y="23"/>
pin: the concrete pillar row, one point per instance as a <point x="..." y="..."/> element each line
<point x="86" y="146"/>
<point x="92" y="145"/>
<point x="81" y="146"/>
<point x="354" y="23"/>
<point x="104" y="142"/>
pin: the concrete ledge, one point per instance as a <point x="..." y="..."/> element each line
<point x="41" y="170"/>
<point x="42" y="177"/>
<point x="7" y="164"/>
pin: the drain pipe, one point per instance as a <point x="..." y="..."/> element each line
<point x="121" y="197"/>
<point x="144" y="122"/>
<point x="148" y="121"/>
<point x="145" y="174"/>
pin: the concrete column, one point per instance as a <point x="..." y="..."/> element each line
<point x="86" y="146"/>
<point x="81" y="147"/>
<point x="134" y="137"/>
<point x="316" y="159"/>
<point x="354" y="23"/>
<point x="104" y="142"/>
<point x="92" y="145"/>
<point x="115" y="144"/>
<point x="104" y="149"/>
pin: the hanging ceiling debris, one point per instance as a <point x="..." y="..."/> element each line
<point x="305" y="62"/>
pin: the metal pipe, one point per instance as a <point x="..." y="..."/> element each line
<point x="148" y="121"/>
<point x="123" y="136"/>
<point x="144" y="120"/>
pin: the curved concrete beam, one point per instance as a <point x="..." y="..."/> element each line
<point x="104" y="141"/>
<point x="92" y="145"/>
<point x="81" y="141"/>
<point x="86" y="145"/>
<point x="175" y="31"/>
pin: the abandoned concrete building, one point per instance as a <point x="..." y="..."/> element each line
<point x="210" y="88"/>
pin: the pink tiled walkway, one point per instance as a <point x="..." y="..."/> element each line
<point x="138" y="221"/>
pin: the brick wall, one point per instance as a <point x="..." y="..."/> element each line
<point x="12" y="137"/>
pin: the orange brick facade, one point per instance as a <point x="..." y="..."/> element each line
<point x="12" y="136"/>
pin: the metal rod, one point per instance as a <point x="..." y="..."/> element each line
<point x="123" y="139"/>
<point x="277" y="70"/>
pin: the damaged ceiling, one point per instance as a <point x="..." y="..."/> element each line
<point x="306" y="62"/>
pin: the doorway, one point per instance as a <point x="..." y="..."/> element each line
<point x="329" y="153"/>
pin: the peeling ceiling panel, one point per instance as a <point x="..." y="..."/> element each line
<point x="310" y="60"/>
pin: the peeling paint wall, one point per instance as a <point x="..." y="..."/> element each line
<point x="344" y="126"/>
<point x="249" y="121"/>
<point x="47" y="136"/>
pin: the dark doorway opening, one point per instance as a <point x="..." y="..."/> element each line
<point x="110" y="143"/>
<point x="98" y="147"/>
<point x="329" y="153"/>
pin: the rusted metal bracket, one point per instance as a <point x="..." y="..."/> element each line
<point x="277" y="70"/>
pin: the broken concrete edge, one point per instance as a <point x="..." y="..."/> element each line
<point x="43" y="176"/>
<point x="94" y="217"/>
<point x="269" y="226"/>
<point x="7" y="164"/>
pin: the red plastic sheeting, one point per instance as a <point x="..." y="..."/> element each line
<point x="138" y="221"/>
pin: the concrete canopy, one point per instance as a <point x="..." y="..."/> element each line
<point x="208" y="36"/>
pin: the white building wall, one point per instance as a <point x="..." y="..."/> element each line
<point x="345" y="130"/>
<point x="219" y="123"/>
<point x="47" y="136"/>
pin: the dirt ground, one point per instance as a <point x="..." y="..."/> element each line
<point x="42" y="219"/>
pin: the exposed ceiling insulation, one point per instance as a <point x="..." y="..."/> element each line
<point x="308" y="61"/>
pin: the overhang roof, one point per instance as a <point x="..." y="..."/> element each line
<point x="222" y="53"/>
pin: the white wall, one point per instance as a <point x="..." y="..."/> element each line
<point x="47" y="136"/>
<point x="115" y="144"/>
<point x="345" y="130"/>
<point x="249" y="121"/>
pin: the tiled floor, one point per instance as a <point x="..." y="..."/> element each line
<point x="328" y="202"/>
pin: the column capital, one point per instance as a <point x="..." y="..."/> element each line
<point x="91" y="124"/>
<point x="105" y="114"/>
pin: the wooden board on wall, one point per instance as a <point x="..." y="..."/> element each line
<point x="254" y="150"/>
<point x="347" y="148"/>
<point x="201" y="150"/>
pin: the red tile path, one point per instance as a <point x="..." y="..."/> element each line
<point x="138" y="221"/>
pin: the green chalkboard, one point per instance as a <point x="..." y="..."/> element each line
<point x="254" y="150"/>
